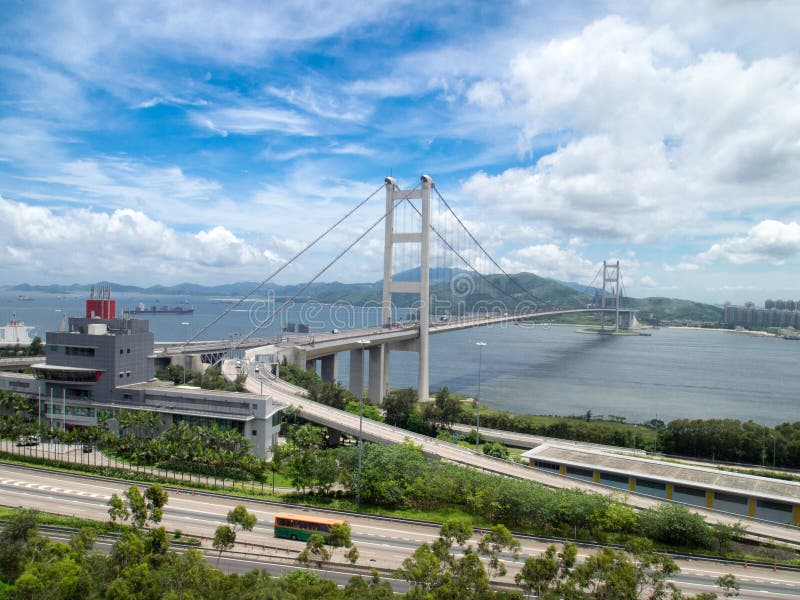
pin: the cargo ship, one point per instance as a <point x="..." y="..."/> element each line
<point x="141" y="309"/>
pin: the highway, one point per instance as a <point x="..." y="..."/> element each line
<point x="382" y="543"/>
<point x="374" y="431"/>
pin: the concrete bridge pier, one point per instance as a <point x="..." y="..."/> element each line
<point x="378" y="373"/>
<point x="356" y="382"/>
<point x="329" y="367"/>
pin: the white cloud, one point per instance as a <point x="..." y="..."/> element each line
<point x="682" y="266"/>
<point x="252" y="121"/>
<point x="648" y="282"/>
<point x="651" y="137"/>
<point x="77" y="243"/>
<point x="771" y="242"/>
<point x="550" y="260"/>
<point x="486" y="94"/>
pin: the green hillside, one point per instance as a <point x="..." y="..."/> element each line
<point x="674" y="310"/>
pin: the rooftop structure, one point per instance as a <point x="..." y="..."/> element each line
<point x="746" y="495"/>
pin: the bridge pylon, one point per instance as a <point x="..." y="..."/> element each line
<point x="421" y="287"/>
<point x="609" y="296"/>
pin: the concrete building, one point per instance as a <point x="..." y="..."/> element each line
<point x="750" y="316"/>
<point x="103" y="364"/>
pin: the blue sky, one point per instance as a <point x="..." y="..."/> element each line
<point x="154" y="142"/>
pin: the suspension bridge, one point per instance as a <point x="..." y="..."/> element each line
<point x="441" y="275"/>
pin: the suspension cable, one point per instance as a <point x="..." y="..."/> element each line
<point x="278" y="270"/>
<point x="466" y="261"/>
<point x="320" y="273"/>
<point x="494" y="262"/>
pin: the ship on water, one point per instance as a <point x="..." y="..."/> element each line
<point x="141" y="309"/>
<point x="16" y="333"/>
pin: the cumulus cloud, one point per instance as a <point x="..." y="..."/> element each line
<point x="650" y="136"/>
<point x="48" y="245"/>
<point x="770" y="241"/>
<point x="682" y="266"/>
<point x="550" y="260"/>
<point x="648" y="282"/>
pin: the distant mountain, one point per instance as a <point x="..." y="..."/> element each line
<point x="452" y="291"/>
<point x="580" y="287"/>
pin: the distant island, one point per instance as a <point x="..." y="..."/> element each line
<point x="523" y="289"/>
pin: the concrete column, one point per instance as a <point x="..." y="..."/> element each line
<point x="356" y="384"/>
<point x="329" y="369"/>
<point x="386" y="371"/>
<point x="376" y="374"/>
<point x="424" y="291"/>
<point x="388" y="251"/>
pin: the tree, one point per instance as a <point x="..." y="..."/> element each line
<point x="339" y="536"/>
<point x="156" y="544"/>
<point x="456" y="530"/>
<point x="117" y="509"/>
<point x="155" y="499"/>
<point x="224" y="540"/>
<point x="498" y="538"/>
<point x="539" y="573"/>
<point x="729" y="584"/>
<point x="423" y="569"/>
<point x="17" y="541"/>
<point x="315" y="551"/>
<point x="305" y="442"/>
<point x="239" y="518"/>
<point x="448" y="409"/>
<point x="399" y="405"/>
<point x="722" y="534"/>
<point x="675" y="524"/>
<point x="610" y="574"/>
<point x="496" y="449"/>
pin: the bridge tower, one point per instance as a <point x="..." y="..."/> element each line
<point x="420" y="287"/>
<point x="610" y="292"/>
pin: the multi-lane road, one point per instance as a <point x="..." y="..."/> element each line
<point x="382" y="543"/>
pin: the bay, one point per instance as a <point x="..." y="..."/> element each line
<point x="541" y="369"/>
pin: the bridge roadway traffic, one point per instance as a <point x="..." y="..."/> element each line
<point x="382" y="543"/>
<point x="374" y="431"/>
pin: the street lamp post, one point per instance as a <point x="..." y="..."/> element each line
<point x="362" y="343"/>
<point x="185" y="342"/>
<point x="480" y="346"/>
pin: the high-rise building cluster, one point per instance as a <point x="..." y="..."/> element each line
<point x="776" y="313"/>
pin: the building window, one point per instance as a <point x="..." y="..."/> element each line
<point x="120" y="350"/>
<point x="127" y="373"/>
<point x="255" y="432"/>
<point x="121" y="374"/>
<point x="129" y="350"/>
<point x="77" y="351"/>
